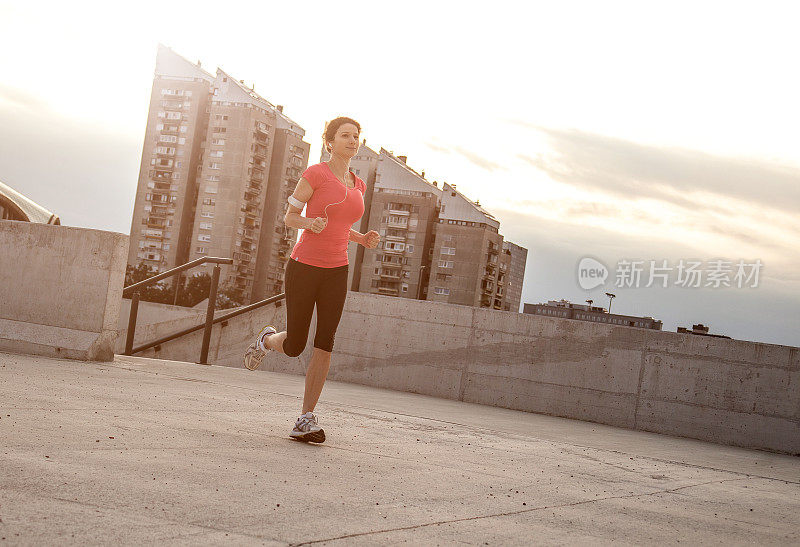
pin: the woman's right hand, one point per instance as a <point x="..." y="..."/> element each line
<point x="318" y="224"/>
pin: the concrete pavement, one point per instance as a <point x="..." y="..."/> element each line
<point x="142" y="450"/>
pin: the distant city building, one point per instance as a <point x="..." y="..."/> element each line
<point x="15" y="206"/>
<point x="516" y="274"/>
<point x="584" y="312"/>
<point x="435" y="243"/>
<point x="217" y="165"/>
<point x="700" y="330"/>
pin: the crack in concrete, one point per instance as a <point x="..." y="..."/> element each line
<point x="478" y="517"/>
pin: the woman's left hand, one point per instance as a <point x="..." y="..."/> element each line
<point x="371" y="239"/>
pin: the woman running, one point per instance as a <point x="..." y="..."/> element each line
<point x="316" y="272"/>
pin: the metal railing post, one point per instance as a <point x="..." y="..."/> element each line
<point x="212" y="302"/>
<point x="132" y="323"/>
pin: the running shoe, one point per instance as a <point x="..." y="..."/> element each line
<point x="256" y="351"/>
<point x="306" y="429"/>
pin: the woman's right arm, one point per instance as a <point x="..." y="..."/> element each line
<point x="293" y="218"/>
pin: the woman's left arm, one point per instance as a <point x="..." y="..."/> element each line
<point x="356" y="236"/>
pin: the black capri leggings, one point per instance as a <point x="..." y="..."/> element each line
<point x="307" y="285"/>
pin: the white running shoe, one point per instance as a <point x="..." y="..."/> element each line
<point x="306" y="429"/>
<point x="256" y="351"/>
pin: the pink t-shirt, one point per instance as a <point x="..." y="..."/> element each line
<point x="328" y="249"/>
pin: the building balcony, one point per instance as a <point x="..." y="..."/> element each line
<point x="401" y="239"/>
<point x="390" y="276"/>
<point x="388" y="290"/>
<point x="398" y="213"/>
<point x="394" y="251"/>
<point x="398" y="226"/>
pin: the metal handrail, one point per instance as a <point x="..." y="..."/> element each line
<point x="173" y="271"/>
<point x="212" y="301"/>
<point x="224" y="317"/>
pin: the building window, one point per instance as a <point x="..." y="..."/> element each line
<point x="204" y="237"/>
<point x="209" y="201"/>
<point x="445" y="263"/>
<point x="205" y="225"/>
<point x="215" y="166"/>
<point x="211" y="189"/>
<point x="441" y="290"/>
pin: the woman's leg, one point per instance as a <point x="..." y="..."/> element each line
<point x="300" y="288"/>
<point x="315" y="378"/>
<point x="331" y="296"/>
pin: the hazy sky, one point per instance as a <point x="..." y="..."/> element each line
<point x="617" y="130"/>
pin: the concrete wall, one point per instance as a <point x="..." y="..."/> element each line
<point x="153" y="312"/>
<point x="154" y="321"/>
<point x="60" y="290"/>
<point x="721" y="390"/>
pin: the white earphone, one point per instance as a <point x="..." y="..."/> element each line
<point x="300" y="204"/>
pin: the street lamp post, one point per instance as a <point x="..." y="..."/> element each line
<point x="610" y="299"/>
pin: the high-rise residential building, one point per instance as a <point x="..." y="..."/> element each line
<point x="467" y="255"/>
<point x="403" y="208"/>
<point x="515" y="275"/>
<point x="163" y="213"/>
<point x="215" y="176"/>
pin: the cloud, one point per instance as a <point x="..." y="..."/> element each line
<point x="18" y="98"/>
<point x="437" y="148"/>
<point x="624" y="168"/>
<point x="766" y="313"/>
<point x="473" y="158"/>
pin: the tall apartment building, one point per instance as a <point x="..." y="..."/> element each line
<point x="163" y="212"/>
<point x="515" y="275"/>
<point x="236" y="157"/>
<point x="403" y="208"/>
<point x="467" y="259"/>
